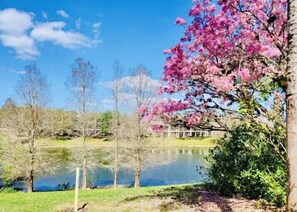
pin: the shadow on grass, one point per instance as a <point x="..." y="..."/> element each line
<point x="191" y="195"/>
<point x="82" y="208"/>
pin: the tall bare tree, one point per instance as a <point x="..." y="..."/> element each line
<point x="81" y="83"/>
<point x="292" y="105"/>
<point x="23" y="126"/>
<point x="116" y="91"/>
<point x="139" y="89"/>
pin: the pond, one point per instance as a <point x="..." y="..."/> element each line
<point x="184" y="167"/>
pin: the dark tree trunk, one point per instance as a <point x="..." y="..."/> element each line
<point x="32" y="160"/>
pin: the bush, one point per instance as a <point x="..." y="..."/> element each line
<point x="8" y="190"/>
<point x="251" y="162"/>
<point x="65" y="186"/>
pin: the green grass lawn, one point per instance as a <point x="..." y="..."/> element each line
<point x="154" y="141"/>
<point x="156" y="198"/>
<point x="190" y="198"/>
<point x="186" y="142"/>
<point x="158" y="142"/>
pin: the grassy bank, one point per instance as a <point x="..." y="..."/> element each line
<point x="98" y="199"/>
<point x="188" y="198"/>
<point x="158" y="142"/>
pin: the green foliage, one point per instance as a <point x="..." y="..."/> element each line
<point x="59" y="123"/>
<point x="243" y="109"/>
<point x="105" y="123"/>
<point x="7" y="174"/>
<point x="8" y="190"/>
<point x="251" y="162"/>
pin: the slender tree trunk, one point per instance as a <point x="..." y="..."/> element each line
<point x="137" y="173"/>
<point x="138" y="153"/>
<point x="84" y="123"/>
<point x="138" y="163"/>
<point x="116" y="165"/>
<point x="115" y="177"/>
<point x="30" y="182"/>
<point x="292" y="106"/>
<point x="116" y="92"/>
<point x="84" y="168"/>
<point x="116" y="153"/>
<point x="32" y="159"/>
<point x="31" y="174"/>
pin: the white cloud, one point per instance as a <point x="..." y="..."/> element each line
<point x="44" y="14"/>
<point x="127" y="96"/>
<point x="132" y="81"/>
<point x="15" y="22"/>
<point x="14" y="25"/>
<point x="21" y="72"/>
<point x="63" y="13"/>
<point x="105" y="84"/>
<point x="23" y="45"/>
<point x="148" y="83"/>
<point x="78" y="23"/>
<point x="19" y="33"/>
<point x="96" y="27"/>
<point x="53" y="31"/>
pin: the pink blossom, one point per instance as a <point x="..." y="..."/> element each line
<point x="142" y="110"/>
<point x="192" y="119"/>
<point x="157" y="128"/>
<point x="245" y="74"/>
<point x="224" y="52"/>
<point x="180" y="21"/>
<point x="270" y="51"/>
<point x="167" y="51"/>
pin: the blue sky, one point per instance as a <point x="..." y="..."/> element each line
<point x="53" y="33"/>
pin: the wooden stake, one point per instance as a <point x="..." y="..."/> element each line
<point x="76" y="190"/>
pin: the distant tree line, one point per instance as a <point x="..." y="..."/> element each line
<point x="63" y="124"/>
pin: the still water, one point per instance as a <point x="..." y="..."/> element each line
<point x="181" y="169"/>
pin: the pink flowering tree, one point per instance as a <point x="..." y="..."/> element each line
<point x="237" y="59"/>
<point x="230" y="62"/>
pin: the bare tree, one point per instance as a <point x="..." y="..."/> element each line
<point x="139" y="90"/>
<point x="116" y="91"/>
<point x="140" y="154"/>
<point x="81" y="84"/>
<point x="23" y="126"/>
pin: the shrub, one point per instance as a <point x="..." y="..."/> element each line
<point x="251" y="162"/>
<point x="65" y="186"/>
<point x="8" y="190"/>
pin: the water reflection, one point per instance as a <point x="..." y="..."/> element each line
<point x="180" y="168"/>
